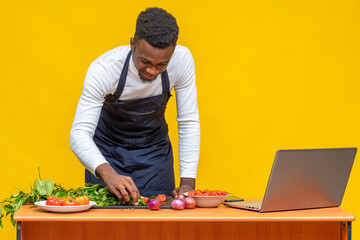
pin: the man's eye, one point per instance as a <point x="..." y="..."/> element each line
<point x="145" y="62"/>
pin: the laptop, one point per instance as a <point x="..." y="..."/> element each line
<point x="303" y="179"/>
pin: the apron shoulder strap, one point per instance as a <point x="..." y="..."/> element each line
<point x="165" y="82"/>
<point x="122" y="80"/>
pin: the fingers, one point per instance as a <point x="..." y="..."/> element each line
<point x="130" y="187"/>
<point x="121" y="186"/>
<point x="180" y="190"/>
<point x="175" y="194"/>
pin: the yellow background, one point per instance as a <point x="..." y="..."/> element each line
<point x="270" y="75"/>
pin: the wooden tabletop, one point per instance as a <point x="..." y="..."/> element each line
<point x="221" y="213"/>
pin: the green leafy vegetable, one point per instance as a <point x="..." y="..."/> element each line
<point x="42" y="189"/>
<point x="102" y="196"/>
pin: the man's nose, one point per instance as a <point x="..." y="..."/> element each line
<point x="152" y="70"/>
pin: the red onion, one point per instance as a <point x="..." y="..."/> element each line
<point x="178" y="204"/>
<point x="190" y="202"/>
<point x="154" y="204"/>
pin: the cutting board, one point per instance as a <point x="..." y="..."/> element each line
<point x="167" y="205"/>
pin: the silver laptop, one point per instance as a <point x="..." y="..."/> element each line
<point x="305" y="178"/>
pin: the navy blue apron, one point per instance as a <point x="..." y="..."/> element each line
<point x="133" y="137"/>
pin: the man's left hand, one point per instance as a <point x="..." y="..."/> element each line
<point x="186" y="185"/>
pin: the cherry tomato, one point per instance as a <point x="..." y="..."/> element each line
<point x="161" y="197"/>
<point x="70" y="202"/>
<point x="206" y="191"/>
<point x="191" y="193"/>
<point x="146" y="199"/>
<point x="215" y="193"/>
<point x="53" y="200"/>
<point x="223" y="193"/>
<point x="82" y="200"/>
<point x="198" y="192"/>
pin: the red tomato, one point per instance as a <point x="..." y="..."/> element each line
<point x="205" y="194"/>
<point x="70" y="202"/>
<point x="63" y="199"/>
<point x="161" y="197"/>
<point x="146" y="199"/>
<point x="191" y="193"/>
<point x="206" y="191"/>
<point x="223" y="193"/>
<point x="53" y="200"/>
<point x="82" y="200"/>
<point x="198" y="192"/>
<point x="215" y="193"/>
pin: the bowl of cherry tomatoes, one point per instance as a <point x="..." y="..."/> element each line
<point x="208" y="198"/>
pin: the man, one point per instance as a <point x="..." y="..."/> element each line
<point x="119" y="131"/>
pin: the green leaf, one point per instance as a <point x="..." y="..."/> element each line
<point x="61" y="193"/>
<point x="49" y="186"/>
<point x="12" y="219"/>
<point x="8" y="208"/>
<point x="44" y="188"/>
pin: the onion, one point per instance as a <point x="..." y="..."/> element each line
<point x="178" y="204"/>
<point x="190" y="202"/>
<point x="181" y="197"/>
<point x="154" y="204"/>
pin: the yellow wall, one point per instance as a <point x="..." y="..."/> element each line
<point x="270" y="75"/>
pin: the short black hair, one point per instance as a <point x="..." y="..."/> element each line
<point x="157" y="27"/>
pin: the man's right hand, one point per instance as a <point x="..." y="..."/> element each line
<point x="119" y="185"/>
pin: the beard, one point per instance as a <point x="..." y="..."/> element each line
<point x="147" y="80"/>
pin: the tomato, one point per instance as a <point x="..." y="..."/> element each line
<point x="198" y="192"/>
<point x="70" y="202"/>
<point x="63" y="199"/>
<point x="215" y="193"/>
<point x="208" y="192"/>
<point x="161" y="197"/>
<point x="82" y="200"/>
<point x="146" y="199"/>
<point x="191" y="193"/>
<point x="223" y="193"/>
<point x="53" y="200"/>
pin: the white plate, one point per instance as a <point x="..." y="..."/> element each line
<point x="77" y="208"/>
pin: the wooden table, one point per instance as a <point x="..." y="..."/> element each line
<point x="200" y="223"/>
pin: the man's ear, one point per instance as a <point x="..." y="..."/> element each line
<point x="132" y="44"/>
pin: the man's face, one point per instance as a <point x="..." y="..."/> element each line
<point x="148" y="60"/>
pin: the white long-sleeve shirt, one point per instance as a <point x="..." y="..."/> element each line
<point x="102" y="79"/>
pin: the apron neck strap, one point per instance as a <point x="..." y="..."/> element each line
<point x="122" y="79"/>
<point x="164" y="80"/>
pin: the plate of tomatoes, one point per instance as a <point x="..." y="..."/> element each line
<point x="65" y="204"/>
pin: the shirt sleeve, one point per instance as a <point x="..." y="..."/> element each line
<point x="96" y="87"/>
<point x="188" y="118"/>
